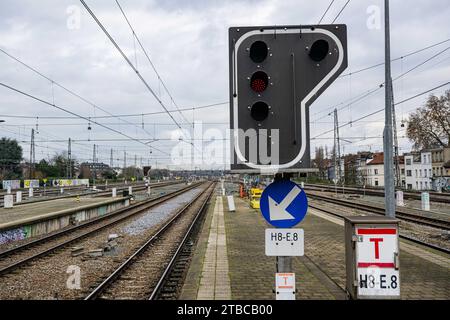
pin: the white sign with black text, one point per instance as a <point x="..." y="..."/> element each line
<point x="377" y="262"/>
<point x="284" y="242"/>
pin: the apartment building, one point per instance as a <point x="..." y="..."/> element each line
<point x="418" y="169"/>
<point x="440" y="159"/>
<point x="371" y="170"/>
<point x="374" y="170"/>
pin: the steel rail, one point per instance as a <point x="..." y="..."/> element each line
<point x="434" y="196"/>
<point x="432" y="246"/>
<point x="86" y="193"/>
<point x="132" y="210"/>
<point x="424" y="220"/>
<point x="163" y="278"/>
<point x="127" y="263"/>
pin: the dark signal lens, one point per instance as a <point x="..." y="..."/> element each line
<point x="258" y="51"/>
<point x="259" y="111"/>
<point x="259" y="81"/>
<point x="319" y="50"/>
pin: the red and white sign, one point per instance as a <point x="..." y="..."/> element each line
<point x="377" y="261"/>
<point x="285" y="286"/>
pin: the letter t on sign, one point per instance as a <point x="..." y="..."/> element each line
<point x="377" y="246"/>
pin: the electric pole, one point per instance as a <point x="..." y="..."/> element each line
<point x="124" y="159"/>
<point x="389" y="187"/>
<point x="396" y="155"/>
<point x="69" y="159"/>
<point x="94" y="166"/>
<point x="111" y="159"/>
<point x="337" y="148"/>
<point x="32" y="155"/>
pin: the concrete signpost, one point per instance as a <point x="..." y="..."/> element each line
<point x="284" y="204"/>
<point x="425" y="196"/>
<point x="8" y="201"/>
<point x="114" y="192"/>
<point x="231" y="206"/>
<point x="399" y="198"/>
<point x="19" y="196"/>
<point x="30" y="193"/>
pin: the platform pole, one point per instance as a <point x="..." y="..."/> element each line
<point x="284" y="264"/>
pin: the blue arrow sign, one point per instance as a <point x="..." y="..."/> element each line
<point x="283" y="204"/>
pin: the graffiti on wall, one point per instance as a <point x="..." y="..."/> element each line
<point x="442" y="183"/>
<point x="14" y="184"/>
<point x="70" y="182"/>
<point x="31" y="183"/>
<point x="12" y="235"/>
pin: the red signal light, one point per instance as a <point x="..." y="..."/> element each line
<point x="259" y="81"/>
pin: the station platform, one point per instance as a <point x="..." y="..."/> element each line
<point x="35" y="219"/>
<point x="30" y="211"/>
<point x="245" y="270"/>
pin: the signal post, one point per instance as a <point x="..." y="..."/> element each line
<point x="276" y="73"/>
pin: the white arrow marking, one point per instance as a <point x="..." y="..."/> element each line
<point x="278" y="211"/>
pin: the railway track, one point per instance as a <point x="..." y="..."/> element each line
<point x="85" y="192"/>
<point x="412" y="239"/>
<point x="56" y="190"/>
<point x="410" y="217"/>
<point x="434" y="196"/>
<point x="16" y="257"/>
<point x="149" y="271"/>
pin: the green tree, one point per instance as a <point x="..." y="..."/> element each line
<point x="47" y="169"/>
<point x="56" y="167"/>
<point x="130" y="172"/>
<point x="10" y="157"/>
<point x="429" y="126"/>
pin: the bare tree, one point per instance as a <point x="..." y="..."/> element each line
<point x="429" y="126"/>
<point x="321" y="162"/>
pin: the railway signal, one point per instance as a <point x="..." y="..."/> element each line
<point x="276" y="73"/>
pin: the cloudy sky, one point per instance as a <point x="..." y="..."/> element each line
<point x="187" y="43"/>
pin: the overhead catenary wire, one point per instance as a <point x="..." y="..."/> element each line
<point x="393" y="60"/>
<point x="382" y="109"/>
<point x="328" y="8"/>
<point x="72" y="113"/>
<point x="364" y="95"/>
<point x="53" y="82"/>
<point x="151" y="63"/>
<point x="119" y="115"/>
<point x="129" y="62"/>
<point x="337" y="16"/>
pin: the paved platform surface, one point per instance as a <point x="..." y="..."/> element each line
<point x="215" y="281"/>
<point x="320" y="274"/>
